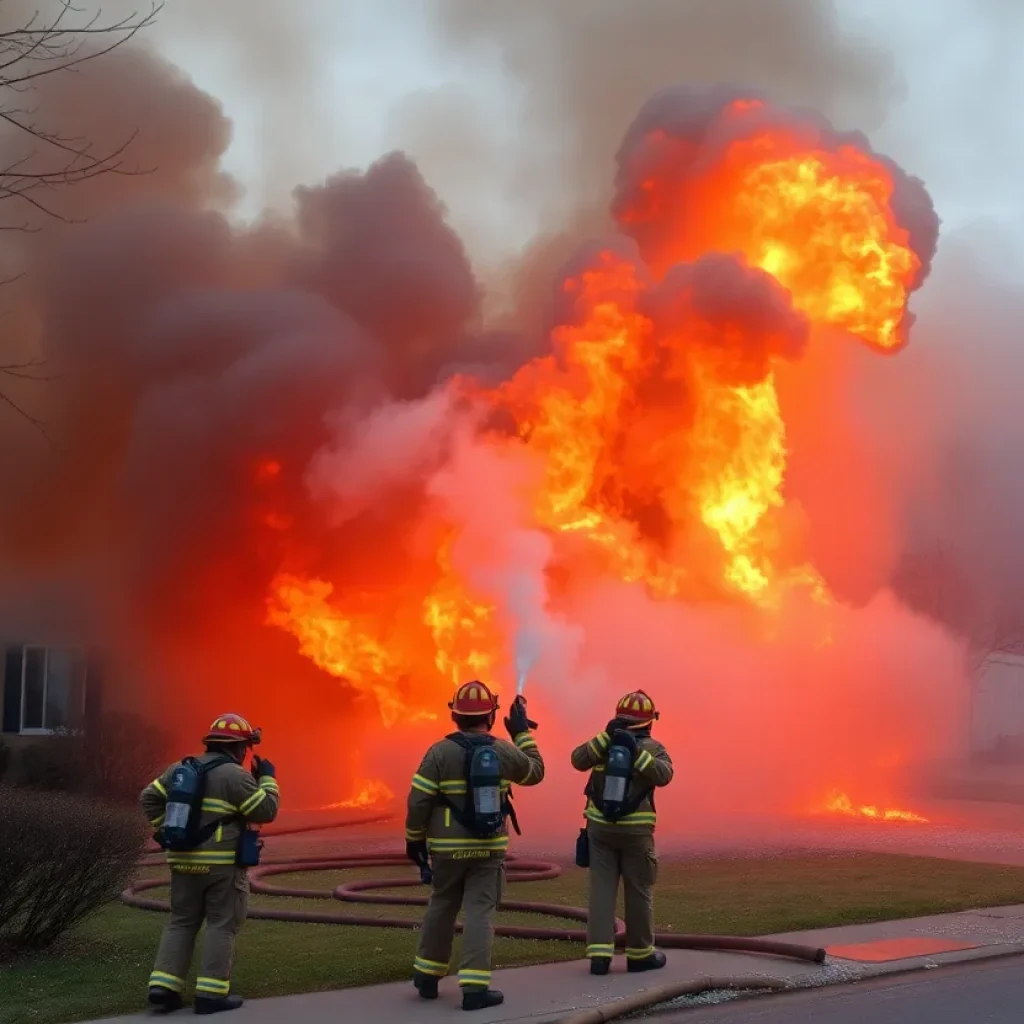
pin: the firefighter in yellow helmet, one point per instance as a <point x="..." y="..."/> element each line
<point x="202" y="809"/>
<point x="455" y="830"/>
<point x="626" y="765"/>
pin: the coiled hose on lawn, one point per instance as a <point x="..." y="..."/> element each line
<point x="519" y="869"/>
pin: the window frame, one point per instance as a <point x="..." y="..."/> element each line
<point x="77" y="653"/>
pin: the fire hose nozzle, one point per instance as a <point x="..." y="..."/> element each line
<point x="522" y="701"/>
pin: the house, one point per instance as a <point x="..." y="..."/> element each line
<point x="997" y="709"/>
<point x="45" y="687"/>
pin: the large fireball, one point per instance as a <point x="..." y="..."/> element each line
<point x="648" y="450"/>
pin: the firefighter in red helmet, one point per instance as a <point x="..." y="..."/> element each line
<point x="202" y="809"/>
<point x="626" y="765"/>
<point x="455" y="829"/>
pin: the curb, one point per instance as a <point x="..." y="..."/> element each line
<point x="1002" y="951"/>
<point x="771" y="987"/>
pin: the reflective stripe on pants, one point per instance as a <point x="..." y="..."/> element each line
<point x="474" y="885"/>
<point x="631" y="858"/>
<point x="219" y="897"/>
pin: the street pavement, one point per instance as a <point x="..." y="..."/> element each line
<point x="987" y="992"/>
<point x="549" y="992"/>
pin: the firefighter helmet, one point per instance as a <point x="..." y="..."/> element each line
<point x="232" y="729"/>
<point x="473" y="698"/>
<point x="637" y="709"/>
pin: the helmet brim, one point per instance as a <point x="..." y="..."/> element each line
<point x="249" y="741"/>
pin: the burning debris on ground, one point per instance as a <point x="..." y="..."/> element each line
<point x="313" y="481"/>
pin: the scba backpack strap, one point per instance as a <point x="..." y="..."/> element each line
<point x="618" y="810"/>
<point x="485" y="809"/>
<point x="193" y="836"/>
<point x="629" y="807"/>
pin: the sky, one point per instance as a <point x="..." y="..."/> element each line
<point x="367" y="70"/>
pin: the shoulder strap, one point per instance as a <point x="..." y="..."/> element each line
<point x="205" y="767"/>
<point x="474" y="740"/>
<point x="510" y="812"/>
<point x="460" y="739"/>
<point x="464" y="815"/>
<point x="205" y="833"/>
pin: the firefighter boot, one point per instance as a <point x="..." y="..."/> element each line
<point x="162" y="1000"/>
<point x="649" y="963"/>
<point x="600" y="964"/>
<point x="426" y="985"/>
<point x="481" y="998"/>
<point x="204" y="1004"/>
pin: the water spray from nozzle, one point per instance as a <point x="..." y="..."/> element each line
<point x="523" y="665"/>
<point x="524" y="662"/>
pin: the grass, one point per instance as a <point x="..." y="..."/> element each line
<point x="101" y="969"/>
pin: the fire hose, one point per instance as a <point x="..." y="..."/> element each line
<point x="519" y="869"/>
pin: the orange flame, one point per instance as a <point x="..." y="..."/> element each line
<point x="462" y="629"/>
<point x="840" y="803"/>
<point x="338" y="643"/>
<point x="371" y="793"/>
<point x="683" y="493"/>
<point x="820" y="223"/>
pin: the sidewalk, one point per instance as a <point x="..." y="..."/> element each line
<point x="542" y="994"/>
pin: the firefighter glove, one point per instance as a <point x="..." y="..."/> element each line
<point x="262" y="768"/>
<point x="517" y="722"/>
<point x="614" y="726"/>
<point x="622" y="738"/>
<point x="416" y="851"/>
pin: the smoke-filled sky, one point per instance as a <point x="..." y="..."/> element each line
<point x="225" y="410"/>
<point x="935" y="82"/>
<point x="513" y="114"/>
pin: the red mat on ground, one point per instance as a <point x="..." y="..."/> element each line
<point x="897" y="949"/>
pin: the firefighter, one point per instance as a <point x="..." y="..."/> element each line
<point x="621" y="836"/>
<point x="206" y="882"/>
<point x="448" y="820"/>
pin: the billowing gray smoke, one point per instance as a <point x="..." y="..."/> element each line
<point x="189" y="355"/>
<point x="586" y="66"/>
<point x="199" y="360"/>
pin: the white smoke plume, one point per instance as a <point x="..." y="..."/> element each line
<point x="484" y="490"/>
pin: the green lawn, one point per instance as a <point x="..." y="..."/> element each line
<point x="102" y="969"/>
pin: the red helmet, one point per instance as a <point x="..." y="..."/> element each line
<point x="232" y="729"/>
<point x="473" y="698"/>
<point x="637" y="709"/>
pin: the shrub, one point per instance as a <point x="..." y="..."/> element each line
<point x="120" y="754"/>
<point x="48" y="764"/>
<point x="112" y="757"/>
<point x="62" y="857"/>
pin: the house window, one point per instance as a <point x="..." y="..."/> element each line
<point x="53" y="688"/>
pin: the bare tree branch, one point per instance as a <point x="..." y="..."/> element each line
<point x="26" y="370"/>
<point x="26" y="415"/>
<point x="52" y="43"/>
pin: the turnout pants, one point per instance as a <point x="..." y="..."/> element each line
<point x="474" y="885"/>
<point x="631" y="858"/>
<point x="219" y="897"/>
